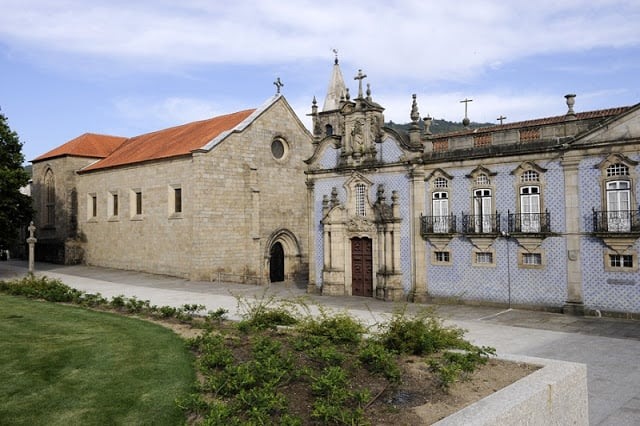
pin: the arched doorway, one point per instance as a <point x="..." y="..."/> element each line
<point x="276" y="263"/>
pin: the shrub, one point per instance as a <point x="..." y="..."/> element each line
<point x="421" y="334"/>
<point x="337" y="328"/>
<point x="33" y="287"/>
<point x="267" y="313"/>
<point x="379" y="360"/>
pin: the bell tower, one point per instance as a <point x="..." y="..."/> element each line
<point x="355" y="124"/>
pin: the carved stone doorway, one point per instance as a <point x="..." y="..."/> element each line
<point x="361" y="267"/>
<point x="276" y="263"/>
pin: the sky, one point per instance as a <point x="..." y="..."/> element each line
<point x="128" y="67"/>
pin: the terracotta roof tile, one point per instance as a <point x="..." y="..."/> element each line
<point x="172" y="142"/>
<point x="88" y="145"/>
<point x="603" y="113"/>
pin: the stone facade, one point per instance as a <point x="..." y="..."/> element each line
<point x="237" y="197"/>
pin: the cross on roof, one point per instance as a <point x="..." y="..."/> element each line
<point x="466" y="102"/>
<point x="278" y="84"/>
<point x="501" y="118"/>
<point x="360" y="77"/>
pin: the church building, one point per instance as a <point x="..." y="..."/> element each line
<point x="221" y="198"/>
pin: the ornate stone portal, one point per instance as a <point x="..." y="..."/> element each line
<point x="348" y="271"/>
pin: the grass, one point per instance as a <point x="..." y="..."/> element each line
<point x="68" y="365"/>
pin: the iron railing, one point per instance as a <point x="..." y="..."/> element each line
<point x="535" y="223"/>
<point x="616" y="221"/>
<point x="481" y="224"/>
<point x="437" y="224"/>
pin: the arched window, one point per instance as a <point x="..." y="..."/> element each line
<point x="329" y="130"/>
<point x="49" y="198"/>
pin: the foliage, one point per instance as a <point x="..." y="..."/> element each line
<point x="15" y="208"/>
<point x="52" y="290"/>
<point x="265" y="312"/>
<point x="419" y="334"/>
<point x="338" y="328"/>
<point x="453" y="366"/>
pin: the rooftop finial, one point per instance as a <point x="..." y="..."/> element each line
<point x="415" y="115"/>
<point x="501" y="118"/>
<point x="571" y="100"/>
<point x="335" y="52"/>
<point x="278" y="84"/>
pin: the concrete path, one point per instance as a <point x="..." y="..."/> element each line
<point x="609" y="347"/>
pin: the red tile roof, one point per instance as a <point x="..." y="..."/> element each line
<point x="172" y="142"/>
<point x="603" y="113"/>
<point x="87" y="145"/>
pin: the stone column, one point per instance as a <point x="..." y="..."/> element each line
<point x="575" y="300"/>
<point x="32" y="242"/>
<point x="311" y="236"/>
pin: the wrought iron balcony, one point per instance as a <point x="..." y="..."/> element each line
<point x="481" y="224"/>
<point x="432" y="225"/>
<point x="530" y="223"/>
<point x="616" y="222"/>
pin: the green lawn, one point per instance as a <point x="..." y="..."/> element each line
<point x="65" y="365"/>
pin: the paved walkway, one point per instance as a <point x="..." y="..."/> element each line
<point x="609" y="347"/>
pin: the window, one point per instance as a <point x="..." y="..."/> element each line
<point x="135" y="204"/>
<point x="482" y="210"/>
<point x="112" y="205"/>
<point x="328" y="130"/>
<point x="360" y="199"/>
<point x="177" y="200"/>
<point x="50" y="198"/>
<point x="482" y="179"/>
<point x="92" y="206"/>
<point x="278" y="148"/>
<point x="530" y="176"/>
<point x="484" y="257"/>
<point x="617" y="169"/>
<point x="440" y="182"/>
<point x="621" y="261"/>
<point x="138" y="202"/>
<point x="530" y="208"/>
<point x="618" y="206"/>
<point x="440" y="211"/>
<point x="442" y="257"/>
<point x="531" y="259"/>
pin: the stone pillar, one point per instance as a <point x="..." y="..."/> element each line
<point x="32" y="242"/>
<point x="575" y="300"/>
<point x="419" y="285"/>
<point x="311" y="236"/>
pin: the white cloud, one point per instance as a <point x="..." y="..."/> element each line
<point x="430" y="39"/>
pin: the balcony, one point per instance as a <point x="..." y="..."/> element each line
<point x="616" y="222"/>
<point x="481" y="224"/>
<point x="530" y="223"/>
<point x="437" y="225"/>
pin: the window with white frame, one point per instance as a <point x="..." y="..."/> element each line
<point x="482" y="210"/>
<point x="530" y="208"/>
<point x="484" y="257"/>
<point x="532" y="259"/>
<point x="440" y="211"/>
<point x="618" y="197"/>
<point x="621" y="261"/>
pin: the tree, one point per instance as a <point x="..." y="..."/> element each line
<point x="15" y="208"/>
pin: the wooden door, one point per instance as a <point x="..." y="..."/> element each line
<point x="361" y="267"/>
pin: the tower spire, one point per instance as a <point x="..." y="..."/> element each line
<point x="336" y="89"/>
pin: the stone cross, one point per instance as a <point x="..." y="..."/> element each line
<point x="278" y="84"/>
<point x="466" y="120"/>
<point x="360" y="77"/>
<point x="32" y="242"/>
<point x="502" y="117"/>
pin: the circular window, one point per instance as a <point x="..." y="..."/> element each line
<point x="278" y="148"/>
